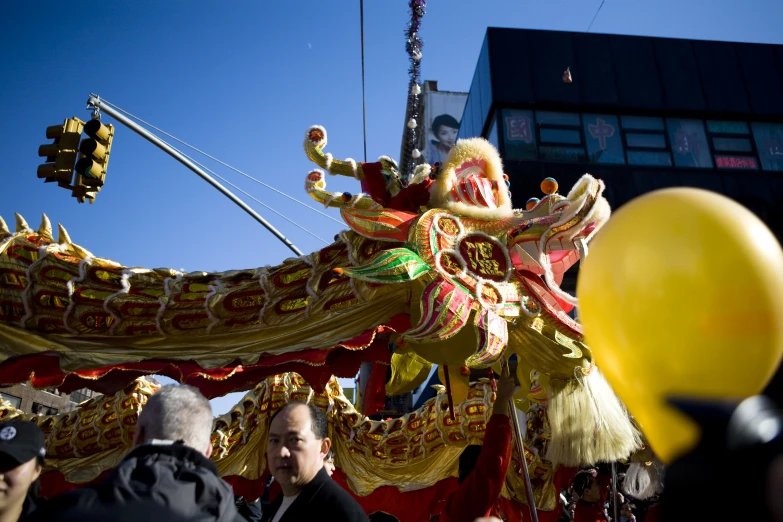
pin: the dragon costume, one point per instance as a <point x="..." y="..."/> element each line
<point x="437" y="270"/>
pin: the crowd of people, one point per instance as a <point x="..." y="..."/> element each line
<point x="168" y="475"/>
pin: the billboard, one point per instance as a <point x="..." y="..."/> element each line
<point x="442" y="116"/>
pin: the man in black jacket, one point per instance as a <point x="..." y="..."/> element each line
<point x="298" y="443"/>
<point x="169" y="466"/>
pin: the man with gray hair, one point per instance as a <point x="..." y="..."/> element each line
<point x="169" y="465"/>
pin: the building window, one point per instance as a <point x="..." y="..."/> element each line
<point x="652" y="159"/>
<point x="493" y="133"/>
<point x="40" y="409"/>
<point x="645" y="141"/>
<point x="689" y="143"/>
<point x="557" y="119"/>
<point x="727" y="127"/>
<point x="79" y="396"/>
<point x="643" y="123"/>
<point x="519" y="139"/>
<point x="731" y="144"/>
<point x="769" y="143"/>
<point x="13" y="400"/>
<point x="561" y="130"/>
<point x="571" y="137"/>
<point x="562" y="154"/>
<point x="604" y="143"/>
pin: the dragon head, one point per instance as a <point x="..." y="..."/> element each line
<point x="471" y="182"/>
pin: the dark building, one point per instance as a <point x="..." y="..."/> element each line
<point x="641" y="114"/>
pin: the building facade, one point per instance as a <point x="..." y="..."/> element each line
<point x="640" y="113"/>
<point x="44" y="402"/>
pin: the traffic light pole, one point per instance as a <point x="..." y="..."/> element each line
<point x="95" y="102"/>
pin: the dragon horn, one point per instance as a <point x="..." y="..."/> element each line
<point x="315" y="185"/>
<point x="315" y="141"/>
<point x="21" y="224"/>
<point x="4" y="228"/>
<point x="45" y="230"/>
<point x="62" y="235"/>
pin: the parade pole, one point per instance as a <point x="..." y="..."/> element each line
<point x="531" y="503"/>
<point x="95" y="102"/>
<point x="614" y="491"/>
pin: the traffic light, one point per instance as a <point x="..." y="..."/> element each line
<point x="91" y="167"/>
<point x="60" y="155"/>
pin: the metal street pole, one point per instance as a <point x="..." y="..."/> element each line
<point x="95" y="101"/>
<point x="520" y="440"/>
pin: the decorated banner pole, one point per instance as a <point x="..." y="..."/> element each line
<point x="410" y="154"/>
<point x="95" y="102"/>
<point x="531" y="502"/>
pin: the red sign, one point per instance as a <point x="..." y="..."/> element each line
<point x="736" y="162"/>
<point x="485" y="258"/>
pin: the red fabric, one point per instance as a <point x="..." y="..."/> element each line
<point x="408" y="199"/>
<point x="250" y="489"/>
<point x="315" y="365"/>
<point x="412" y="197"/>
<point x="654" y="513"/>
<point x="478" y="494"/>
<point x="374" y="394"/>
<point x="374" y="183"/>
<point x="585" y="512"/>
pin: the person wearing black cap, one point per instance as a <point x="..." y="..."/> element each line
<point x="22" y="453"/>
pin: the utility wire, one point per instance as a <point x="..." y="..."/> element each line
<point x="595" y="16"/>
<point x="221" y="162"/>
<point x="224" y="180"/>
<point x="364" y="99"/>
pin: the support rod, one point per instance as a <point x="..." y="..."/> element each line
<point x="95" y="101"/>
<point x="531" y="501"/>
<point x="614" y="492"/>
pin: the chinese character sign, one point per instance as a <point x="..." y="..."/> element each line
<point x="769" y="143"/>
<point x="603" y="139"/>
<point x="689" y="143"/>
<point x="519" y="129"/>
<point x="519" y="135"/>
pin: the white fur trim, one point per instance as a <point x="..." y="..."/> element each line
<point x="70" y="286"/>
<point x="124" y="281"/>
<point x="354" y="171"/>
<point x="328" y="159"/>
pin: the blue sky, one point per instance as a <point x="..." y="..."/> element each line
<point x="243" y="80"/>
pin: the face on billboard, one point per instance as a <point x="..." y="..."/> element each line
<point x="442" y="115"/>
<point x="447" y="135"/>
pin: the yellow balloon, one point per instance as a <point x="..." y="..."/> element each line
<point x="681" y="294"/>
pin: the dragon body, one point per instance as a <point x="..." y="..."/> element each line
<point x="442" y="267"/>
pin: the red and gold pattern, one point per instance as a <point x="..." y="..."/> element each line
<point x="68" y="318"/>
<point x="412" y="452"/>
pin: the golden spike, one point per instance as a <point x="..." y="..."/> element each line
<point x="315" y="141"/>
<point x="21" y="224"/>
<point x="45" y="230"/>
<point x="4" y="228"/>
<point x="62" y="235"/>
